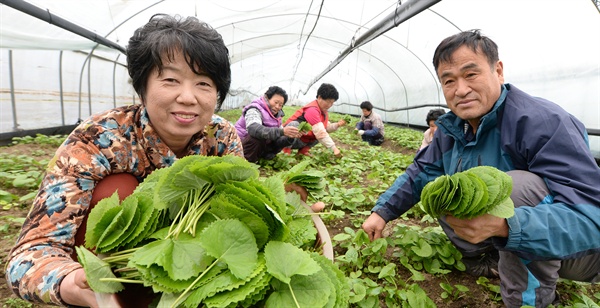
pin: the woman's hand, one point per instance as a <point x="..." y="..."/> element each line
<point x="292" y="132"/>
<point x="74" y="290"/>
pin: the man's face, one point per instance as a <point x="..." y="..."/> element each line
<point x="366" y="112"/>
<point x="470" y="85"/>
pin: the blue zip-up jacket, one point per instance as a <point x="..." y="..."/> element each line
<point x="521" y="132"/>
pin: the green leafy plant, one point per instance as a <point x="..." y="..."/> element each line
<point x="312" y="180"/>
<point x="348" y="119"/>
<point x="493" y="289"/>
<point x="21" y="171"/>
<point x="579" y="294"/>
<point x="16" y="303"/>
<point x="8" y="200"/>
<point x="373" y="277"/>
<point x="345" y="198"/>
<point x="582" y="301"/>
<point x="453" y="292"/>
<point x="409" y="138"/>
<point x="53" y="140"/>
<point x="304" y="127"/>
<point x="278" y="163"/>
<point x="425" y="249"/>
<point x="207" y="230"/>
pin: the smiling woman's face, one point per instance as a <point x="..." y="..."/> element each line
<point x="179" y="102"/>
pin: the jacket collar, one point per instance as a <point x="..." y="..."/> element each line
<point x="450" y="124"/>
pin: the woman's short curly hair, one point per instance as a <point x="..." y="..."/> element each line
<point x="164" y="36"/>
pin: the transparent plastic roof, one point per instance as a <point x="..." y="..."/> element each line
<point x="549" y="48"/>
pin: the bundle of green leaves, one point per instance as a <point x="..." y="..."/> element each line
<point x="348" y="118"/>
<point x="470" y="193"/>
<point x="312" y="180"/>
<point x="208" y="232"/>
<point x="304" y="127"/>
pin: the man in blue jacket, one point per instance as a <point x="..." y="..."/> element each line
<point x="555" y="231"/>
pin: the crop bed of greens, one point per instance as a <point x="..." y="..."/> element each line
<point x="414" y="266"/>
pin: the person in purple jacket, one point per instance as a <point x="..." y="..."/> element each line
<point x="260" y="127"/>
<point x="555" y="231"/>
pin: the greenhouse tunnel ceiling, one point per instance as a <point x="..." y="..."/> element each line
<point x="65" y="61"/>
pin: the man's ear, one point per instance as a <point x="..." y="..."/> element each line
<point x="500" y="71"/>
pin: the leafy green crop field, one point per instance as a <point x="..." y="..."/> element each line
<point x="413" y="266"/>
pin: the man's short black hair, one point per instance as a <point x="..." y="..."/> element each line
<point x="472" y="39"/>
<point x="366" y="105"/>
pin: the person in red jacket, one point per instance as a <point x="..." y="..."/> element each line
<point x="315" y="113"/>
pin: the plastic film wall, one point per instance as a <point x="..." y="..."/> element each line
<point x="50" y="76"/>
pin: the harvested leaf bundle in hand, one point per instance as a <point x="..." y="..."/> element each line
<point x="470" y="193"/>
<point x="304" y="127"/>
<point x="312" y="180"/>
<point x="347" y="118"/>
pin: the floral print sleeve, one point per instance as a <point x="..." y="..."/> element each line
<point x="220" y="139"/>
<point x="116" y="141"/>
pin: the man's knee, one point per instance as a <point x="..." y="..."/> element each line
<point x="585" y="269"/>
<point x="528" y="188"/>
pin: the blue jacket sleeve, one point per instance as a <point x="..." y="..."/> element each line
<point x="530" y="237"/>
<point x="405" y="192"/>
<point x="553" y="144"/>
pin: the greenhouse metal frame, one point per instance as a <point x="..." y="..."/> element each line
<point x="63" y="60"/>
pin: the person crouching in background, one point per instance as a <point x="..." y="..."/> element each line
<point x="370" y="128"/>
<point x="260" y="127"/>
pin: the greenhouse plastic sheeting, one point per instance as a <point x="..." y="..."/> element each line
<point x="52" y="77"/>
